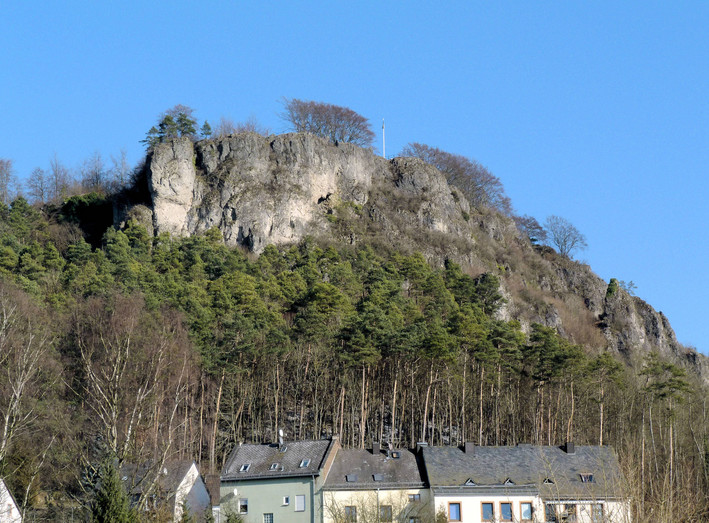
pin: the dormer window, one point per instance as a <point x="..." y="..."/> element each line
<point x="548" y="481"/>
<point x="245" y="467"/>
<point x="586" y="477"/>
<point x="274" y="466"/>
<point x="378" y="477"/>
<point x="508" y="481"/>
<point x="470" y="483"/>
<point x="305" y="463"/>
<point x="351" y="478"/>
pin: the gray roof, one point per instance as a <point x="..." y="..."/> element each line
<point x="169" y="478"/>
<point x="551" y="471"/>
<point x="361" y="467"/>
<point x="287" y="459"/>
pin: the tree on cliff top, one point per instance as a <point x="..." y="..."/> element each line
<point x="479" y="185"/>
<point x="564" y="235"/>
<point x="176" y="121"/>
<point x="336" y="123"/>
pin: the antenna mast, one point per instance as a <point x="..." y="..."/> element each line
<point x="384" y="142"/>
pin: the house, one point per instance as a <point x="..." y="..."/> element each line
<point x="178" y="485"/>
<point x="526" y="483"/>
<point x="9" y="510"/>
<point x="376" y="485"/>
<point x="264" y="483"/>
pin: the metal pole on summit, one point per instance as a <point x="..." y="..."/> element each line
<point x="384" y="142"/>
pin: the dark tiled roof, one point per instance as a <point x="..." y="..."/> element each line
<point x="361" y="466"/>
<point x="288" y="464"/>
<point x="169" y="478"/>
<point x="551" y="471"/>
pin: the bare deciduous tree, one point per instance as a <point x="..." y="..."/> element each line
<point x="564" y="235"/>
<point x="38" y="185"/>
<point x="6" y="180"/>
<point x="529" y="226"/>
<point x="334" y="122"/>
<point x="93" y="173"/>
<point x="59" y="179"/>
<point x="479" y="185"/>
<point x="25" y="365"/>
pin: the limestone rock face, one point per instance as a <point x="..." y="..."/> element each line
<point x="259" y="190"/>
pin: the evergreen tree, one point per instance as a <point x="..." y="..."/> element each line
<point x="111" y="504"/>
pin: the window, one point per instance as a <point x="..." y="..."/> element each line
<point x="586" y="478"/>
<point x="268" y="518"/>
<point x="414" y="519"/>
<point x="274" y="466"/>
<point x="300" y="503"/>
<point x="395" y="454"/>
<point x="351" y="514"/>
<point x="454" y="511"/>
<point x="377" y="477"/>
<point x="525" y="511"/>
<point x="597" y="513"/>
<point x="286" y="501"/>
<point x="385" y="513"/>
<point x="550" y="512"/>
<point x="245" y="467"/>
<point x="569" y="513"/>
<point x="351" y="478"/>
<point x="305" y="463"/>
<point x="243" y="506"/>
<point x="488" y="511"/>
<point x="505" y="511"/>
<point x="414" y="497"/>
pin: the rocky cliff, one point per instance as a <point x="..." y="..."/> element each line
<point x="277" y="190"/>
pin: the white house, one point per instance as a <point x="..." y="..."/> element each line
<point x="178" y="484"/>
<point x="527" y="483"/>
<point x="9" y="510"/>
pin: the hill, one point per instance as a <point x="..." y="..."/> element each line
<point x="281" y="189"/>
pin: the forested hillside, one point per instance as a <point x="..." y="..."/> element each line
<point x="158" y="348"/>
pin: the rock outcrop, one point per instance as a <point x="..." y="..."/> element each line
<point x="277" y="190"/>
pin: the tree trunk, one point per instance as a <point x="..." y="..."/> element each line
<point x="213" y="442"/>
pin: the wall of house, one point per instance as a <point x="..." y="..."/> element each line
<point x="471" y="508"/>
<point x="8" y="509"/>
<point x="265" y="496"/>
<point x="471" y="505"/>
<point x="368" y="502"/>
<point x="613" y="511"/>
<point x="193" y="491"/>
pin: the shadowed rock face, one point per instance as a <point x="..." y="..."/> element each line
<point x="277" y="190"/>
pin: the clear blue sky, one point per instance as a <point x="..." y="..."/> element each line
<point x="595" y="111"/>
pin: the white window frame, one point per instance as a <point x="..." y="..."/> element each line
<point x="286" y="501"/>
<point x="244" y="502"/>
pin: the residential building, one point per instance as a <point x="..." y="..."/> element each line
<point x="9" y="510"/>
<point x="376" y="485"/>
<point x="178" y="484"/>
<point x="526" y="483"/>
<point x="267" y="483"/>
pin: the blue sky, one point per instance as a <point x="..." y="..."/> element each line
<point x="595" y="111"/>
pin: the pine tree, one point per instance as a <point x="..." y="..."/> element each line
<point x="111" y="504"/>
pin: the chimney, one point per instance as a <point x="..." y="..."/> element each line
<point x="469" y="448"/>
<point x="420" y="445"/>
<point x="570" y="448"/>
<point x="375" y="447"/>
